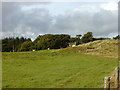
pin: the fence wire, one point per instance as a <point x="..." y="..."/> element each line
<point x="111" y="78"/>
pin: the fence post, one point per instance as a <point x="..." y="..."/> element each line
<point x="106" y="83"/>
<point x="116" y="77"/>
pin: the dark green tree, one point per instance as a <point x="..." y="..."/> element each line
<point x="53" y="41"/>
<point x="26" y="46"/>
<point x="8" y="44"/>
<point x="87" y="37"/>
<point x="117" y="37"/>
<point x="78" y="36"/>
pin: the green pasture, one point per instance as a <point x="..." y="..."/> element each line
<point x="51" y="69"/>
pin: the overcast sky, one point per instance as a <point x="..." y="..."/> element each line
<point x="33" y="19"/>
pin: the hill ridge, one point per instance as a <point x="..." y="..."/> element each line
<point x="106" y="48"/>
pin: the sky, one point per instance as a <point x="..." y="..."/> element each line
<point x="30" y="19"/>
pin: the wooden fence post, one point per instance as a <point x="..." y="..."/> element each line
<point x="107" y="83"/>
<point x="116" y="77"/>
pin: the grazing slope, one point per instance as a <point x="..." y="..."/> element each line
<point x="107" y="48"/>
<point x="53" y="69"/>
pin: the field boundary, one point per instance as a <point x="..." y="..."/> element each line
<point x="111" y="81"/>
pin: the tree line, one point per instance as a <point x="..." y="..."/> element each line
<point x="46" y="41"/>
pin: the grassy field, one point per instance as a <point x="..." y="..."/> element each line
<point x="51" y="69"/>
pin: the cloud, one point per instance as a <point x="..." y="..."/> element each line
<point x="32" y="19"/>
<point x="20" y="22"/>
<point x="86" y="18"/>
<point x="110" y="6"/>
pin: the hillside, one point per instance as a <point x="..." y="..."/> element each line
<point x="64" y="68"/>
<point x="107" y="48"/>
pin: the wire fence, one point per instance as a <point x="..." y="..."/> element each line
<point x="111" y="81"/>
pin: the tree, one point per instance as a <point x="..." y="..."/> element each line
<point x="7" y="43"/>
<point x="26" y="46"/>
<point x="87" y="37"/>
<point x="38" y="38"/>
<point x="78" y="40"/>
<point x="73" y="39"/>
<point x="29" y="39"/>
<point x="117" y="37"/>
<point x="78" y="36"/>
<point x="53" y="41"/>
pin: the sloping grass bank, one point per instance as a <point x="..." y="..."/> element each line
<point x="106" y="48"/>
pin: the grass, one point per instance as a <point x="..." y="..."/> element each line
<point x="52" y="69"/>
<point x="106" y="48"/>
